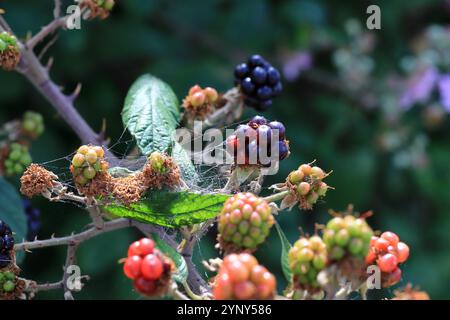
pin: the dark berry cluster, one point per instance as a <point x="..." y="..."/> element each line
<point x="148" y="268"/>
<point x="241" y="278"/>
<point x="244" y="222"/>
<point x="387" y="251"/>
<point x="258" y="81"/>
<point x="256" y="142"/>
<point x="6" y="244"/>
<point x="33" y="219"/>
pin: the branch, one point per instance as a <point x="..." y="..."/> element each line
<point x="47" y="30"/>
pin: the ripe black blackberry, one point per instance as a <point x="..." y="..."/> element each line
<point x="6" y="244"/>
<point x="258" y="81"/>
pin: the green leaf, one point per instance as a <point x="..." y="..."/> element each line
<point x="181" y="157"/>
<point x="285" y="247"/>
<point x="180" y="275"/>
<point x="151" y="113"/>
<point x="12" y="212"/>
<point x="172" y="209"/>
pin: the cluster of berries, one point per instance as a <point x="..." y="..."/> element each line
<point x="148" y="268"/>
<point x="306" y="182"/>
<point x="388" y="252"/>
<point x="8" y="281"/>
<point x="33" y="219"/>
<point x="347" y="236"/>
<point x="98" y="8"/>
<point x="17" y="160"/>
<point x="256" y="142"/>
<point x="241" y="278"/>
<point x="87" y="163"/>
<point x="6" y="244"/>
<point x="33" y="124"/>
<point x="199" y="103"/>
<point x="244" y="222"/>
<point x="307" y="257"/>
<point x="258" y="81"/>
<point x="9" y="51"/>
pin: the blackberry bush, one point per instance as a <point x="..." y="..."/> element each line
<point x="258" y="81"/>
<point x="241" y="278"/>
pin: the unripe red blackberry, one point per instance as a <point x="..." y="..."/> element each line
<point x="307" y="185"/>
<point x="307" y="257"/>
<point x="199" y="102"/>
<point x="87" y="162"/>
<point x="241" y="278"/>
<point x="148" y="268"/>
<point x="347" y="236"/>
<point x="244" y="222"/>
<point x="387" y="252"/>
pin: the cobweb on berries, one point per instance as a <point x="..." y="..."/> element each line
<point x="211" y="178"/>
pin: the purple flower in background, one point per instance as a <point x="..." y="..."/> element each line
<point x="419" y="87"/>
<point x="444" y="91"/>
<point x="296" y="64"/>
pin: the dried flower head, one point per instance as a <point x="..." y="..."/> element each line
<point x="37" y="180"/>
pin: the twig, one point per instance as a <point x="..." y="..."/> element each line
<point x="45" y="31"/>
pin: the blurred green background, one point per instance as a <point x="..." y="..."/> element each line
<point x="189" y="42"/>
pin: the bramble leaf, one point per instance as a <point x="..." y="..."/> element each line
<point x="285" y="247"/>
<point x="181" y="273"/>
<point x="172" y="209"/>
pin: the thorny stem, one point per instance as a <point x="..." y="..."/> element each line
<point x="277" y="196"/>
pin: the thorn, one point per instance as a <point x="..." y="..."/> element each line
<point x="49" y="64"/>
<point x="75" y="93"/>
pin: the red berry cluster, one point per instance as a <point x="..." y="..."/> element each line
<point x="241" y="278"/>
<point x="388" y="252"/>
<point x="253" y="143"/>
<point x="200" y="102"/>
<point x="148" y="267"/>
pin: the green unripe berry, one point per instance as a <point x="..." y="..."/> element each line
<point x="157" y="162"/>
<point x="18" y="168"/>
<point x="248" y="242"/>
<point x="91" y="156"/>
<point x="322" y="189"/>
<point x="3" y="45"/>
<point x="342" y="237"/>
<point x="243" y="227"/>
<point x="89" y="173"/>
<point x="108" y="5"/>
<point x="320" y="261"/>
<point x="335" y="224"/>
<point x="9" y="275"/>
<point x="312" y="198"/>
<point x="9" y="286"/>
<point x="295" y="177"/>
<point x="305" y="254"/>
<point x="78" y="160"/>
<point x="337" y="253"/>
<point x="255" y="233"/>
<point x="302" y="267"/>
<point x="355" y="246"/>
<point x="15" y="154"/>
<point x="2" y="277"/>
<point x="25" y="159"/>
<point x="328" y="237"/>
<point x="318" y="173"/>
<point x="237" y="238"/>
